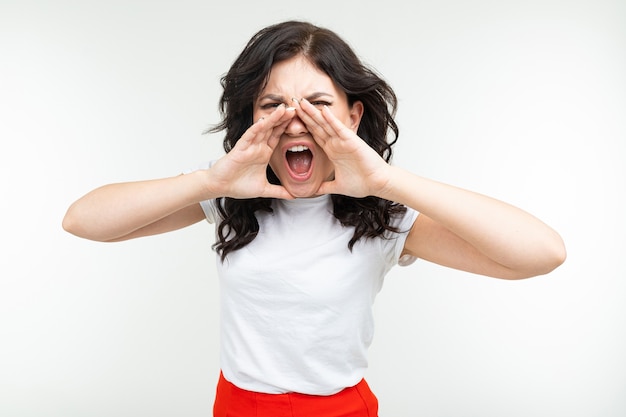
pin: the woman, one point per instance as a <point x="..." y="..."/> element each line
<point x="310" y="216"/>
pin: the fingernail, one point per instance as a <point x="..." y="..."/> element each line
<point x="294" y="99"/>
<point x="290" y="109"/>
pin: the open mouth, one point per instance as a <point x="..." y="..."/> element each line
<point x="299" y="160"/>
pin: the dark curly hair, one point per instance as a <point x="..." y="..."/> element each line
<point x="370" y="216"/>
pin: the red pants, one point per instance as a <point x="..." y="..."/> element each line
<point x="231" y="401"/>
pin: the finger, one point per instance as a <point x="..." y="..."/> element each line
<point x="275" y="118"/>
<point x="276" y="191"/>
<point x="277" y="132"/>
<point x="257" y="131"/>
<point x="279" y="120"/>
<point x="334" y="123"/>
<point x="289" y="113"/>
<point x="261" y="130"/>
<point x="306" y="112"/>
<point x="314" y="120"/>
<point x="281" y="115"/>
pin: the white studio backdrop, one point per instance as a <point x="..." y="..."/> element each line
<point x="524" y="101"/>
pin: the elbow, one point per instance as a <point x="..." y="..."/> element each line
<point x="547" y="260"/>
<point x="75" y="224"/>
<point x="70" y="223"/>
<point x="551" y="255"/>
<point x="557" y="254"/>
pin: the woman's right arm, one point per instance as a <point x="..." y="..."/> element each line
<point x="127" y="210"/>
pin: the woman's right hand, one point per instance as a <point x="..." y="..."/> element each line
<point x="241" y="173"/>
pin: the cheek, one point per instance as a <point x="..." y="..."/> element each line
<point x="326" y="167"/>
<point x="276" y="161"/>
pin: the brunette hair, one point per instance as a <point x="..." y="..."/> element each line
<point x="370" y="216"/>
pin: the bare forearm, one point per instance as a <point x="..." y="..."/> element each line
<point x="115" y="210"/>
<point x="126" y="210"/>
<point x="504" y="233"/>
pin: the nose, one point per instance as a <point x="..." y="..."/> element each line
<point x="296" y="127"/>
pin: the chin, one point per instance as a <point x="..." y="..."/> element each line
<point x="303" y="191"/>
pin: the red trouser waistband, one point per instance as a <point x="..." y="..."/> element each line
<point x="232" y="401"/>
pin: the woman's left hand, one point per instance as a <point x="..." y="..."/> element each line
<point x="359" y="170"/>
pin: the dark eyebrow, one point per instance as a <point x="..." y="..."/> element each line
<point x="273" y="97"/>
<point x="281" y="99"/>
<point x="317" y="95"/>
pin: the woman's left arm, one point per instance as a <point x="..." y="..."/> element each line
<point x="456" y="227"/>
<point x="472" y="232"/>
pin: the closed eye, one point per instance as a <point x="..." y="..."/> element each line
<point x="269" y="106"/>
<point x="320" y="103"/>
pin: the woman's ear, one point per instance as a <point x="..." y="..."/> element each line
<point x="356" y="113"/>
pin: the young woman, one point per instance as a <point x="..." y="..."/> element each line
<point x="310" y="216"/>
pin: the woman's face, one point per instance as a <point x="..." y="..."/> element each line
<point x="299" y="163"/>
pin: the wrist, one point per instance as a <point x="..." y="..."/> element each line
<point x="208" y="187"/>
<point x="389" y="184"/>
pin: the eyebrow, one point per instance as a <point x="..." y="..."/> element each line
<point x="310" y="97"/>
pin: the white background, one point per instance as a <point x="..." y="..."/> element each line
<point x="521" y="100"/>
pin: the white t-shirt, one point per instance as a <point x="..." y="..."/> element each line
<point x="296" y="304"/>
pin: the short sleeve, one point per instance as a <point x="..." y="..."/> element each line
<point x="394" y="242"/>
